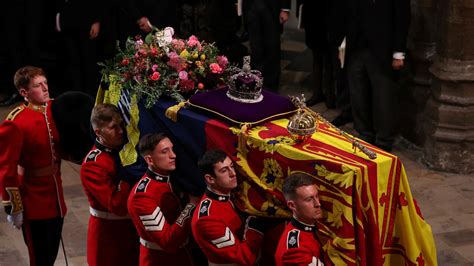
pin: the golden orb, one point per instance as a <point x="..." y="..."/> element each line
<point x="301" y="126"/>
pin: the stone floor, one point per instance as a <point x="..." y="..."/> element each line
<point x="446" y="200"/>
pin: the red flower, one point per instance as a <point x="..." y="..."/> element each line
<point x="126" y="76"/>
<point x="186" y="85"/>
<point x="154" y="51"/>
<point x="142" y="52"/>
<point x="155" y="76"/>
<point x="125" y="62"/>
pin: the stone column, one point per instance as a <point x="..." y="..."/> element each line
<point x="449" y="112"/>
<point x="416" y="78"/>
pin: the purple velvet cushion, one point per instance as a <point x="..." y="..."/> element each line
<point x="217" y="104"/>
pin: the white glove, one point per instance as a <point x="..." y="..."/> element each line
<point x="16" y="220"/>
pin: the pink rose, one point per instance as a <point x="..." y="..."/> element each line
<point x="176" y="62"/>
<point x="215" y="68"/>
<point x="172" y="54"/>
<point x="193" y="41"/>
<point x="154" y="67"/>
<point x="177" y="44"/>
<point x="222" y="61"/>
<point x="183" y="75"/>
<point x="155" y="76"/>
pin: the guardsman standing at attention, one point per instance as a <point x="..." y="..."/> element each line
<point x="299" y="244"/>
<point x="111" y="238"/>
<point x="30" y="177"/>
<point x="163" y="223"/>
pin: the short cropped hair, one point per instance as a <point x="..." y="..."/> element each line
<point x="147" y="143"/>
<point x="24" y="75"/>
<point x="294" y="181"/>
<point x="102" y="114"/>
<point x="209" y="159"/>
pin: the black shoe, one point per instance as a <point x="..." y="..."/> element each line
<point x="314" y="100"/>
<point x="14" y="98"/>
<point x="342" y="119"/>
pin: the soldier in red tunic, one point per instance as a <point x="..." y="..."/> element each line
<point x="111" y="238"/>
<point x="217" y="227"/>
<point x="30" y="178"/>
<point x="163" y="223"/>
<point x="299" y="244"/>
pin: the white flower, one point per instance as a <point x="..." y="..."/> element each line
<point x="164" y="37"/>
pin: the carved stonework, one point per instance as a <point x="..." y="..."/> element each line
<point x="449" y="113"/>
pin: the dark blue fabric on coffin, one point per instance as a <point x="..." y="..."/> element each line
<point x="272" y="106"/>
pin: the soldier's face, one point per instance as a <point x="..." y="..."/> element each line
<point x="37" y="91"/>
<point x="306" y="206"/>
<point x="225" y="178"/>
<point x="163" y="159"/>
<point x="111" y="134"/>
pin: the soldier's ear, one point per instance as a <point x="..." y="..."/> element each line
<point x="23" y="92"/>
<point x="97" y="132"/>
<point x="209" y="179"/>
<point x="148" y="159"/>
<point x="291" y="205"/>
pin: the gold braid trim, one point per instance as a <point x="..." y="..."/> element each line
<point x="15" y="200"/>
<point x="172" y="111"/>
<point x="11" y="116"/>
<point x="269" y="118"/>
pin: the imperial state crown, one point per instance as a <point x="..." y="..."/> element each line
<point x="246" y="84"/>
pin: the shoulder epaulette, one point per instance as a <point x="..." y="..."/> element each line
<point x="11" y="116"/>
<point x="204" y="208"/>
<point x="141" y="187"/>
<point x="92" y="156"/>
<point x="293" y="239"/>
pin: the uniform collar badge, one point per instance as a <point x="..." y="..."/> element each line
<point x="215" y="196"/>
<point x="156" y="176"/>
<point x="302" y="226"/>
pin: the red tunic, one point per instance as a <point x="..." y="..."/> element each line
<point x="163" y="226"/>
<point x="29" y="139"/>
<point x="111" y="238"/>
<point x="217" y="229"/>
<point x="298" y="245"/>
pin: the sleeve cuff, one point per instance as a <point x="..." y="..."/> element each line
<point x="399" y="55"/>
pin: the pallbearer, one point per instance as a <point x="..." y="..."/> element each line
<point x="112" y="238"/>
<point x="299" y="244"/>
<point x="161" y="214"/>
